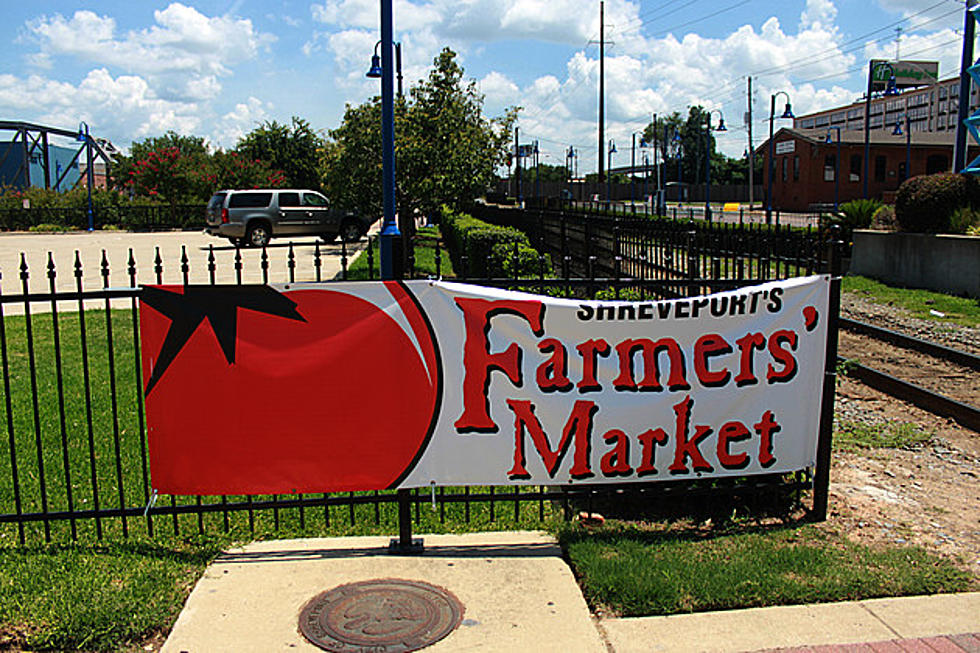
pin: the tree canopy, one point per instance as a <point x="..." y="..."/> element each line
<point x="446" y="150"/>
<point x="294" y="149"/>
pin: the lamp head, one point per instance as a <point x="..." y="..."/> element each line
<point x="891" y="88"/>
<point x="787" y="112"/>
<point x="375" y="70"/>
<point x="721" y="126"/>
<point x="828" y="139"/>
<point x="82" y="132"/>
<point x="897" y="131"/>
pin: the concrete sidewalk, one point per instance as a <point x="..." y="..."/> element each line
<point x="519" y="595"/>
<point x="517" y="592"/>
<point x="894" y="624"/>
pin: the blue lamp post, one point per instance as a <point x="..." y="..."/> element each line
<point x="890" y="89"/>
<point x="707" y="157"/>
<point x="676" y="140"/>
<point x="897" y="131"/>
<point x="83" y="137"/>
<point x="787" y="114"/>
<point x="390" y="235"/>
<point x="836" y="167"/>
<point x="612" y="150"/>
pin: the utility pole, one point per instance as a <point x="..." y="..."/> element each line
<point x="748" y="123"/>
<point x="602" y="87"/>
<point x="959" y="148"/>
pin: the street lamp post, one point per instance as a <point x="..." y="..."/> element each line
<point x="612" y="150"/>
<point x="707" y="156"/>
<point x="633" y="170"/>
<point x="83" y="136"/>
<point x="890" y="89"/>
<point x="908" y="143"/>
<point x="787" y="114"/>
<point x="390" y="235"/>
<point x="836" y="167"/>
<point x="677" y="155"/>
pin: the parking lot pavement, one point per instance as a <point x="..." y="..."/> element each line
<point x="117" y="245"/>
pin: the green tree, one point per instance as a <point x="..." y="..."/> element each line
<point x="294" y="149"/>
<point x="548" y="173"/>
<point x="689" y="146"/>
<point x="446" y="151"/>
<point x="232" y="170"/>
<point x="350" y="161"/>
<point x="189" y="150"/>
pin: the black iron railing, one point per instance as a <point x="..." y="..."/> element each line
<point x="74" y="461"/>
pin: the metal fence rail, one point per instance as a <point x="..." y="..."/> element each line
<point x="73" y="451"/>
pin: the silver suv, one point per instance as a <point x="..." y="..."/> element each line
<point x="253" y="217"/>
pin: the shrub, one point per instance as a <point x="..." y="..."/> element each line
<point x="857" y="214"/>
<point x="963" y="219"/>
<point x="884" y="219"/>
<point x="489" y="250"/>
<point x="925" y="204"/>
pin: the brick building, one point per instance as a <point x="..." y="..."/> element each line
<point x="805" y="170"/>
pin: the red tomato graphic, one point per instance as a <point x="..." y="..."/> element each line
<point x="344" y="400"/>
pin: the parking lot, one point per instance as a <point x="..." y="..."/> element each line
<point x="116" y="246"/>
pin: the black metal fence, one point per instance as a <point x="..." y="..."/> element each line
<point x="131" y="217"/>
<point x="74" y="462"/>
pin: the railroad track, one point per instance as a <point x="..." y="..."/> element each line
<point x="940" y="379"/>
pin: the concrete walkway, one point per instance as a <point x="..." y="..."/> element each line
<point x="519" y="595"/>
<point x="517" y="592"/>
<point x="892" y="624"/>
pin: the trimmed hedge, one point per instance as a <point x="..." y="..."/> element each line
<point x="480" y="249"/>
<point x="925" y="204"/>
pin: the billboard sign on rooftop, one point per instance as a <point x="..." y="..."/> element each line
<point x="907" y="73"/>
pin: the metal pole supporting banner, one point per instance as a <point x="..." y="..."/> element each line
<point x="821" y="477"/>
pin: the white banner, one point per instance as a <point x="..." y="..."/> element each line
<point x="540" y="390"/>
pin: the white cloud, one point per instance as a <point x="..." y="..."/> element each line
<point x="183" y="40"/>
<point x="135" y="109"/>
<point x="143" y="81"/>
<point x="236" y="123"/>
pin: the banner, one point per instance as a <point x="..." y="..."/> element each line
<point x="372" y="385"/>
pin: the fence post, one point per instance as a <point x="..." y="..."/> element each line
<point x="821" y="479"/>
<point x="693" y="264"/>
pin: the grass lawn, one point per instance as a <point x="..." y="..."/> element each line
<point x="425" y="259"/>
<point x="639" y="569"/>
<point x="959" y="310"/>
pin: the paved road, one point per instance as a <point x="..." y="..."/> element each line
<point x="116" y="246"/>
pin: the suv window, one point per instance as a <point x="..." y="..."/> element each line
<point x="249" y="200"/>
<point x="216" y="200"/>
<point x="288" y="200"/>
<point x="312" y="199"/>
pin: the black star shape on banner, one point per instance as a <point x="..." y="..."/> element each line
<point x="219" y="306"/>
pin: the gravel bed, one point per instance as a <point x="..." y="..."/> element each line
<point x="897" y="319"/>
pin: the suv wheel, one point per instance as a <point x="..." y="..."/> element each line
<point x="350" y="232"/>
<point x="258" y="235"/>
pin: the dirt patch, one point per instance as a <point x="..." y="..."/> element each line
<point x="928" y="496"/>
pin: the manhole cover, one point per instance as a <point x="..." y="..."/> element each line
<point x="387" y="615"/>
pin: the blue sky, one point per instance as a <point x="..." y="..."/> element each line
<point x="219" y="68"/>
